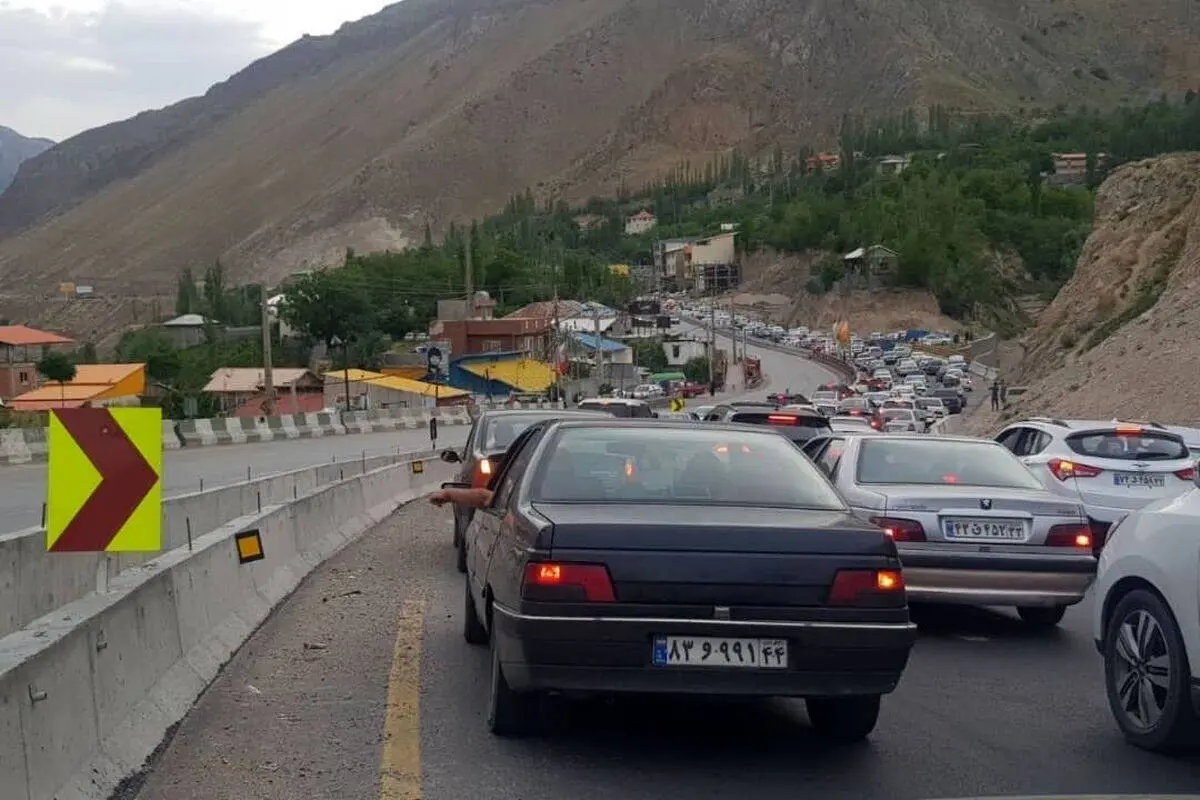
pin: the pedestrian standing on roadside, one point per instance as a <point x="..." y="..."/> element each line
<point x="995" y="395"/>
<point x="1003" y="393"/>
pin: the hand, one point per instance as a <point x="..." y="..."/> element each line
<point x="439" y="498"/>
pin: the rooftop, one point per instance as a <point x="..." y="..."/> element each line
<point x="22" y="336"/>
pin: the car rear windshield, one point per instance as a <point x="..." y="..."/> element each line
<point x="622" y="410"/>
<point x="499" y="433"/>
<point x="931" y="461"/>
<point x="797" y="427"/>
<point x="680" y="465"/>
<point x="1139" y="445"/>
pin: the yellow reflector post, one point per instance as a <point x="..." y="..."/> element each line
<point x="249" y="547"/>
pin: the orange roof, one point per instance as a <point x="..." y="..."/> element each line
<point x="20" y="336"/>
<point x="103" y="374"/>
<point x="56" y="396"/>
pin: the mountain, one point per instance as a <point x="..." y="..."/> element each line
<point x="15" y="149"/>
<point x="433" y="111"/>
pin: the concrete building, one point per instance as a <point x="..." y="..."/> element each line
<point x="20" y="350"/>
<point x="681" y="351"/>
<point x="186" y="330"/>
<point x="639" y="223"/>
<point x="235" y="387"/>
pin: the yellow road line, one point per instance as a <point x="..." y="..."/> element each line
<point x="400" y="761"/>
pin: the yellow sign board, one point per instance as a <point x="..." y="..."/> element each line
<point x="677" y="404"/>
<point x="105" y="487"/>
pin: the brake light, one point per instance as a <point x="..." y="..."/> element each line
<point x="901" y="530"/>
<point x="1070" y="535"/>
<point x="781" y="419"/>
<point x="867" y="587"/>
<point x="1129" y="430"/>
<point x="1186" y="474"/>
<point x="567" y="583"/>
<point x="1064" y="469"/>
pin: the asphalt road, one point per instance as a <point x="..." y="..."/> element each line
<point x="23" y="487"/>
<point x="361" y="686"/>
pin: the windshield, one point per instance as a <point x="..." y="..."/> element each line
<point x="933" y="461"/>
<point x="681" y="465"/>
<point x="897" y="413"/>
<point x="1138" y="445"/>
<point x="499" y="433"/>
<point x="621" y="410"/>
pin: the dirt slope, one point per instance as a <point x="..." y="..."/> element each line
<point x="434" y="110"/>
<point x="1120" y="339"/>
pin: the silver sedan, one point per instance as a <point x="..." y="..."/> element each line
<point x="973" y="525"/>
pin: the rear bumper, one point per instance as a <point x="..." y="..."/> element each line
<point x="613" y="655"/>
<point x="990" y="579"/>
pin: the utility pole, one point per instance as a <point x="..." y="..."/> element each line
<point x="268" y="405"/>
<point x="712" y="339"/>
<point x="599" y="348"/>
<point x="469" y="276"/>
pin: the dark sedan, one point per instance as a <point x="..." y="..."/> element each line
<point x="624" y="556"/>
<point x="486" y="445"/>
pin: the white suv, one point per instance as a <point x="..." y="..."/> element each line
<point x="1111" y="467"/>
<point x="1146" y="625"/>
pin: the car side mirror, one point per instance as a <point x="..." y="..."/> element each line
<point x="1196" y="476"/>
<point x="450" y="457"/>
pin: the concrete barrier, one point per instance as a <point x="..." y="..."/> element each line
<point x="34" y="583"/>
<point x="88" y="692"/>
<point x="26" y="445"/>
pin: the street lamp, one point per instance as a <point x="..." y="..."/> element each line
<point x="337" y="342"/>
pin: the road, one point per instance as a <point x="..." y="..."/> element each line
<point x="361" y="686"/>
<point x="23" y="487"/>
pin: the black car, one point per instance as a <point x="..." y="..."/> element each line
<point x="950" y="398"/>
<point x="798" y="425"/>
<point x="481" y="457"/>
<point x="642" y="557"/>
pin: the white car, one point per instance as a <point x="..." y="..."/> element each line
<point x="1112" y="467"/>
<point x="1147" y="623"/>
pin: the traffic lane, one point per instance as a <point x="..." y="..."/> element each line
<point x="23" y="486"/>
<point x="361" y="685"/>
<point x="985" y="708"/>
<point x="780" y="369"/>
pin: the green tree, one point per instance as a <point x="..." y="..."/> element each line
<point x="328" y="305"/>
<point x="58" y="367"/>
<point x="187" y="298"/>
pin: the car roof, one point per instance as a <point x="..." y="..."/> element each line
<point x="1076" y="425"/>
<point x="652" y="424"/>
<point x="504" y="413"/>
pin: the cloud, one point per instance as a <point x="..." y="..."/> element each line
<point x="65" y="71"/>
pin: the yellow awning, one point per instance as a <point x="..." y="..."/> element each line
<point x="524" y="375"/>
<point x="395" y="383"/>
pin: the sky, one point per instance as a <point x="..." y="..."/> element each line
<point x="70" y="65"/>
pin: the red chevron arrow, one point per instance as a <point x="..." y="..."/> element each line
<point x="125" y="479"/>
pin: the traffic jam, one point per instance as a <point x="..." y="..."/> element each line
<point x="780" y="548"/>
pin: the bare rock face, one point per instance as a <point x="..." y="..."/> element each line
<point x="1121" y="337"/>
<point x="435" y="110"/>
<point x="15" y="150"/>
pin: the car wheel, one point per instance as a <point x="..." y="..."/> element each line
<point x="844" y="719"/>
<point x="509" y="713"/>
<point x="1147" y="676"/>
<point x="473" y="630"/>
<point x="1040" y="617"/>
<point x="458" y="533"/>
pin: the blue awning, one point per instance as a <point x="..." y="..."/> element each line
<point x="589" y="340"/>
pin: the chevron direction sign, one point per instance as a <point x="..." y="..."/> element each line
<point x="104" y="492"/>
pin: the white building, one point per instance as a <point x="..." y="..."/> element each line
<point x="641" y="222"/>
<point x="684" y="350"/>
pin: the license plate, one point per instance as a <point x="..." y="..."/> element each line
<point x="1006" y="530"/>
<point x="703" y="651"/>
<point x="1138" y="480"/>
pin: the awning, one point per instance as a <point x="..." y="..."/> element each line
<point x="523" y="374"/>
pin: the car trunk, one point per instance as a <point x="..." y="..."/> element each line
<point x="698" y="557"/>
<point x="1141" y="482"/>
<point x="970" y="503"/>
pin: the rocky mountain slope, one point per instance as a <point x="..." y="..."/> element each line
<point x="16" y="149"/>
<point x="436" y="110"/>
<point x="1120" y="338"/>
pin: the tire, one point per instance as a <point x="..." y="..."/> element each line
<point x="1041" y="618"/>
<point x="458" y="533"/>
<point x="473" y="630"/>
<point x="1159" y="646"/>
<point x="844" y="719"/>
<point x="509" y="713"/>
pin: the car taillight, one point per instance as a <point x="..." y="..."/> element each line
<point x="867" y="587"/>
<point x="901" y="530"/>
<point x="1070" y="535"/>
<point x="1064" y="469"/>
<point x="483" y="473"/>
<point x="567" y="583"/>
<point x="1186" y="474"/>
